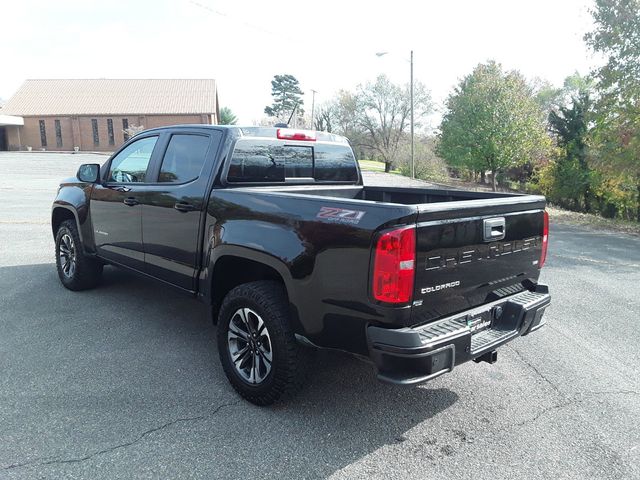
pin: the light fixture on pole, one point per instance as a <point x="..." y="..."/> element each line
<point x="413" y="164"/>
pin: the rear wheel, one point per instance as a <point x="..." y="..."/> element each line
<point x="257" y="347"/>
<point x="76" y="270"/>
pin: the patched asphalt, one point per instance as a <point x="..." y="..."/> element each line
<point x="124" y="382"/>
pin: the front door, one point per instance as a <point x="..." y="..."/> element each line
<point x="174" y="207"/>
<point x="116" y="205"/>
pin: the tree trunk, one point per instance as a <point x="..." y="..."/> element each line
<point x="483" y="177"/>
<point x="587" y="200"/>
<point x="387" y="167"/>
<point x="494" y="180"/>
<point x="638" y="200"/>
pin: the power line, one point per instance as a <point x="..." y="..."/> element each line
<point x="241" y="22"/>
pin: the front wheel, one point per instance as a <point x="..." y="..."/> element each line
<point x="257" y="347"/>
<point x="76" y="270"/>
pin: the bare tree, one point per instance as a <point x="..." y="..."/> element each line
<point x="132" y="131"/>
<point x="325" y="119"/>
<point x="383" y="112"/>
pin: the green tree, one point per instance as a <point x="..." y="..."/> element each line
<point x="286" y="93"/>
<point x="616" y="36"/>
<point x="546" y="94"/>
<point x="383" y="112"/>
<point x="570" y="125"/>
<point x="428" y="166"/>
<point x="227" y="117"/>
<point x="493" y="122"/>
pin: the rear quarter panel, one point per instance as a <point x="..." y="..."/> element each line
<point x="324" y="259"/>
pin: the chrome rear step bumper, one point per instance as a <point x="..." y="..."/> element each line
<point x="418" y="354"/>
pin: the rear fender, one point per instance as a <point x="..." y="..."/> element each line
<point x="215" y="255"/>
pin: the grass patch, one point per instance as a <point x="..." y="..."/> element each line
<point x="373" y="166"/>
<point x="568" y="217"/>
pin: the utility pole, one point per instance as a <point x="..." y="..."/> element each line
<point x="413" y="164"/>
<point x="313" y="105"/>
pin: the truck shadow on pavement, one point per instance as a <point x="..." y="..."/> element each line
<point x="132" y="367"/>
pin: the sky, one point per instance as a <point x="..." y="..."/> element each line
<point x="328" y="45"/>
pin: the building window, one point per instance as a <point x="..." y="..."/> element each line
<point x="96" y="137"/>
<point x="125" y="127"/>
<point x="58" y="134"/>
<point x="112" y="140"/>
<point x="43" y="134"/>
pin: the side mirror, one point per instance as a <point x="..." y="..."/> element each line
<point x="89" y="172"/>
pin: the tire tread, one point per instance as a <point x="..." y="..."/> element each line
<point x="88" y="271"/>
<point x="292" y="358"/>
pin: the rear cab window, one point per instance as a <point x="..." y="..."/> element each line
<point x="264" y="160"/>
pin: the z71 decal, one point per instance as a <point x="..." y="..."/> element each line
<point x="340" y="215"/>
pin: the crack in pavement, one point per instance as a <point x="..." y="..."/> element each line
<point x="611" y="392"/>
<point x="577" y="398"/>
<point x="139" y="438"/>
<point x="574" y="400"/>
<point x="582" y="258"/>
<point x="553" y="385"/>
<point x="534" y="368"/>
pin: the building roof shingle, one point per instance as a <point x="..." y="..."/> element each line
<point x="113" y="97"/>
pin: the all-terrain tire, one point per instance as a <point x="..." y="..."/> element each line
<point x="264" y="305"/>
<point x="76" y="270"/>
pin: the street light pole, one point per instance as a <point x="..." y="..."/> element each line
<point x="313" y="105"/>
<point x="413" y="164"/>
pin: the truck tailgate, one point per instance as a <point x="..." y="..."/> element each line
<point x="477" y="255"/>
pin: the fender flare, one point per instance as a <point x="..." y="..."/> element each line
<point x="277" y="264"/>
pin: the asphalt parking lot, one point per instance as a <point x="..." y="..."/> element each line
<point x="124" y="381"/>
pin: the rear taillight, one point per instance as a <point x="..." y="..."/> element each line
<point x="545" y="240"/>
<point x="291" y="134"/>
<point x="394" y="266"/>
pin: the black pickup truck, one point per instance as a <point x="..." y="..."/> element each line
<point x="274" y="229"/>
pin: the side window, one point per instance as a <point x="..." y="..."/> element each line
<point x="184" y="158"/>
<point x="130" y="165"/>
<point x="255" y="161"/>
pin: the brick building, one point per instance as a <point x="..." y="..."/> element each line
<point x="93" y="115"/>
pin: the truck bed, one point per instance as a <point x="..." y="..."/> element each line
<point x="399" y="195"/>
<point x="457" y="268"/>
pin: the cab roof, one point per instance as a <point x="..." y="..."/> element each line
<point x="281" y="133"/>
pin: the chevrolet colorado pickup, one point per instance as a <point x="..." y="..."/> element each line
<point x="275" y="231"/>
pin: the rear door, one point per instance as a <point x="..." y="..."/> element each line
<point x="173" y="210"/>
<point x="468" y="261"/>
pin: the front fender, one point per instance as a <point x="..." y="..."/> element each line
<point x="74" y="199"/>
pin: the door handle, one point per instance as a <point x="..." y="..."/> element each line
<point x="184" y="207"/>
<point x="130" y="201"/>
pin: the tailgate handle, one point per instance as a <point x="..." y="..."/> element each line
<point x="494" y="229"/>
